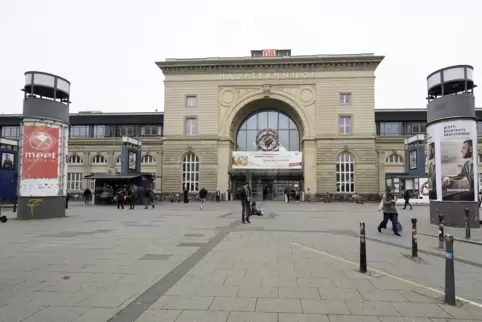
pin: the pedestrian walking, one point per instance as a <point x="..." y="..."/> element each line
<point x="132" y="199"/>
<point x="245" y="204"/>
<point x="218" y="195"/>
<point x="87" y="196"/>
<point x="389" y="212"/>
<point x="120" y="198"/>
<point x="203" y="193"/>
<point x="148" y="198"/>
<point x="406" y="196"/>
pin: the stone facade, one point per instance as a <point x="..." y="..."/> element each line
<point x="310" y="87"/>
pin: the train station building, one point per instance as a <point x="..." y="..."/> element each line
<point x="271" y="119"/>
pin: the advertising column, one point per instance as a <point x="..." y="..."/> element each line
<point x="43" y="147"/>
<point x="452" y="147"/>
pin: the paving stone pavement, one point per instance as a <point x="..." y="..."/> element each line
<point x="178" y="263"/>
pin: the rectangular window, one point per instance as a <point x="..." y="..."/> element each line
<point x="191" y="126"/>
<point x="191" y="100"/>
<point x="345" y="98"/>
<point x="11" y="132"/>
<point x="127" y="130"/>
<point x="415" y="128"/>
<point x="103" y="131"/>
<point x="345" y="124"/>
<point x="147" y="130"/>
<point x="479" y="128"/>
<point x="74" y="181"/>
<point x="80" y="131"/>
<point x="391" y="129"/>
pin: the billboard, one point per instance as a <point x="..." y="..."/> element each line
<point x="458" y="160"/>
<point x="40" y="157"/>
<point x="267" y="160"/>
<point x="132" y="160"/>
<point x="429" y="187"/>
<point x="42" y="163"/>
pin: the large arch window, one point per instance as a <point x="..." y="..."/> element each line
<point x="190" y="172"/>
<point x="268" y="130"/>
<point x="345" y="173"/>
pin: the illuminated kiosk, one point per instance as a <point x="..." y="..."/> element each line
<point x="451" y="146"/>
<point x="414" y="176"/>
<point x="44" y="133"/>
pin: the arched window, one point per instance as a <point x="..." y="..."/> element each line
<point x="190" y="172"/>
<point x="394" y="158"/>
<point x="118" y="160"/>
<point x="345" y="173"/>
<point x="268" y="130"/>
<point x="99" y="159"/>
<point x="148" y="159"/>
<point x="75" y="159"/>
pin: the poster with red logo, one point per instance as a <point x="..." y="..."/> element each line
<point x="40" y="152"/>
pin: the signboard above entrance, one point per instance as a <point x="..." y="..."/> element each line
<point x="267" y="160"/>
<point x="275" y="75"/>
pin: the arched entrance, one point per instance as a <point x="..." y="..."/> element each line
<point x="267" y="150"/>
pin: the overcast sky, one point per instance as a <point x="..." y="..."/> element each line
<point x="107" y="48"/>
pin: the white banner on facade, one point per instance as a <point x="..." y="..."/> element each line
<point x="267" y="160"/>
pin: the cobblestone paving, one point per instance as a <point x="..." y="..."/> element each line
<point x="178" y="263"/>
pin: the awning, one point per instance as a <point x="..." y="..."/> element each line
<point x="105" y="176"/>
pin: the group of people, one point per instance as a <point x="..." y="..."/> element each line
<point x="130" y="194"/>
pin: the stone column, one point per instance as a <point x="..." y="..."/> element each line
<point x="452" y="142"/>
<point x="44" y="134"/>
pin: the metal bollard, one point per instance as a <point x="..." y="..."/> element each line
<point x="449" y="270"/>
<point x="440" y="231"/>
<point x="363" y="249"/>
<point x="467" y="224"/>
<point x="414" y="238"/>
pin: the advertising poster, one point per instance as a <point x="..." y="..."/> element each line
<point x="132" y="160"/>
<point x="429" y="187"/>
<point x="413" y="159"/>
<point x="458" y="144"/>
<point x="267" y="160"/>
<point x="40" y="153"/>
<point x="8" y="160"/>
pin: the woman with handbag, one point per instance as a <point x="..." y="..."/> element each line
<point x="389" y="212"/>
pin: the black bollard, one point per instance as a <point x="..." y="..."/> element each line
<point x="15" y="206"/>
<point x="467" y="224"/>
<point x="440" y="231"/>
<point x="414" y="238"/>
<point x="449" y="271"/>
<point x="363" y="249"/>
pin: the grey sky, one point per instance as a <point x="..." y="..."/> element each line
<point x="107" y="49"/>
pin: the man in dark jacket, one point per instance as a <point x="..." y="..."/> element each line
<point x="245" y="204"/>
<point x="406" y="196"/>
<point x="120" y="198"/>
<point x="132" y="198"/>
<point x="203" y="194"/>
<point x="148" y="198"/>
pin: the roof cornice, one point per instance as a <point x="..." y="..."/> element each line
<point x="341" y="62"/>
